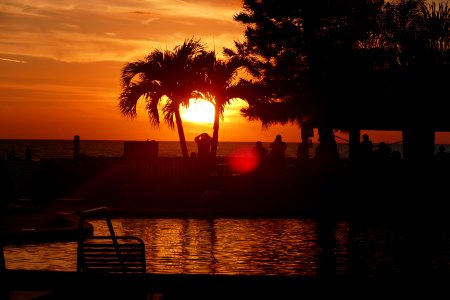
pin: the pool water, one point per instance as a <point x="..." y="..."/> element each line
<point x="260" y="246"/>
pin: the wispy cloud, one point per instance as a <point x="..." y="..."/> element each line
<point x="13" y="60"/>
<point x="118" y="30"/>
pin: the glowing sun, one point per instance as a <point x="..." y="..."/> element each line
<point x="199" y="111"/>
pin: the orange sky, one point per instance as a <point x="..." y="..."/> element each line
<point x="60" y="67"/>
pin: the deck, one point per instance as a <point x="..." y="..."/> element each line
<point x="204" y="286"/>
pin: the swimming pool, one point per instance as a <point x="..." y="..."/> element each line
<point x="259" y="247"/>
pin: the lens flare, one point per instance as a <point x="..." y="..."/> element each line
<point x="242" y="161"/>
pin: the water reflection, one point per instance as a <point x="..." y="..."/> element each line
<point x="227" y="246"/>
<point x="251" y="246"/>
<point x="55" y="256"/>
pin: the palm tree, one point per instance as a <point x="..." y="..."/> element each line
<point x="401" y="30"/>
<point x="162" y="75"/>
<point x="222" y="84"/>
<point x="436" y="31"/>
<point x="416" y="35"/>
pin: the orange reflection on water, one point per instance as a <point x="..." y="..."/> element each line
<point x="197" y="246"/>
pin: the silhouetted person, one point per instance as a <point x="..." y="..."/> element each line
<point x="365" y="147"/>
<point x="278" y="147"/>
<point x="28" y="155"/>
<point x="384" y="151"/>
<point x="260" y="151"/>
<point x="277" y="151"/>
<point x="442" y="154"/>
<point x="204" y="142"/>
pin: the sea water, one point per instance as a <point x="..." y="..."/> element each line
<point x="95" y="148"/>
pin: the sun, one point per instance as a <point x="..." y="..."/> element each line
<point x="199" y="111"/>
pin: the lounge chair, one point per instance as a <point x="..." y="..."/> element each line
<point x="108" y="267"/>
<point x="110" y="255"/>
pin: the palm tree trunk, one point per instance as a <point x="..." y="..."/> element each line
<point x="328" y="146"/>
<point x="353" y="145"/>
<point x="215" y="140"/>
<point x="181" y="135"/>
<point x="418" y="143"/>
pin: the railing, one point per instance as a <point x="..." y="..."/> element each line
<point x="54" y="178"/>
<point x="174" y="167"/>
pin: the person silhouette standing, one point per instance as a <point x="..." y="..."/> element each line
<point x="260" y="154"/>
<point x="365" y="147"/>
<point x="28" y="155"/>
<point x="277" y="152"/>
<point x="204" y="142"/>
<point x="260" y="151"/>
<point x="442" y="154"/>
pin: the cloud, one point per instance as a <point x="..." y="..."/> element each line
<point x="13" y="60"/>
<point x="113" y="29"/>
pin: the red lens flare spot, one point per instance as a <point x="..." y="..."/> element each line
<point x="242" y="161"/>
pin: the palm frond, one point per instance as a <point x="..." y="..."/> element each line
<point x="169" y="113"/>
<point x="129" y="97"/>
<point x="152" y="102"/>
<point x="131" y="70"/>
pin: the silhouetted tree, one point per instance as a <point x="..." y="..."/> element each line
<point x="329" y="63"/>
<point x="436" y="32"/>
<point x="163" y="75"/>
<point x="416" y="39"/>
<point x="222" y="83"/>
<point x="307" y="58"/>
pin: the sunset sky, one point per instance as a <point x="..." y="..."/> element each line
<point x="60" y="65"/>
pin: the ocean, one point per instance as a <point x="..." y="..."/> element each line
<point x="64" y="148"/>
<point x="104" y="148"/>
